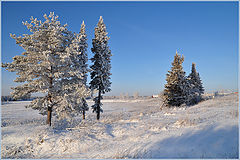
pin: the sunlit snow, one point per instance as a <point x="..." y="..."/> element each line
<point x="132" y="128"/>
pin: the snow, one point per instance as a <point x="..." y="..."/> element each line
<point x="127" y="129"/>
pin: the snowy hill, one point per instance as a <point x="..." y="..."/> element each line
<point x="127" y="129"/>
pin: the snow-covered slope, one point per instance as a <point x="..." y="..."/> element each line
<point x="127" y="129"/>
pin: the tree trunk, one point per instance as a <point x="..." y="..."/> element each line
<point x="49" y="116"/>
<point x="98" y="106"/>
<point x="83" y="114"/>
<point x="98" y="115"/>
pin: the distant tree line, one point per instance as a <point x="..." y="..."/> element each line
<point x="7" y="98"/>
<point x="10" y="98"/>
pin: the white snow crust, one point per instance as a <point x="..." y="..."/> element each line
<point x="126" y="129"/>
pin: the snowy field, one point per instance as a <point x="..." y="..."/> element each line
<point x="127" y="129"/>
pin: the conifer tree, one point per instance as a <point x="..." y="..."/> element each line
<point x="196" y="88"/>
<point x="84" y="58"/>
<point x="136" y="95"/>
<point x="75" y="80"/>
<point x="176" y="89"/>
<point x="83" y="50"/>
<point x="100" y="73"/>
<point x="79" y="60"/>
<point x="46" y="66"/>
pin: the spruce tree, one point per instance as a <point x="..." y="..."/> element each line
<point x="75" y="80"/>
<point x="84" y="58"/>
<point x="196" y="88"/>
<point x="83" y="50"/>
<point x="100" y="73"/>
<point x="46" y="66"/>
<point x="176" y="89"/>
<point x="81" y="65"/>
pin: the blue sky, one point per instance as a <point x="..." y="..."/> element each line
<point x="144" y="37"/>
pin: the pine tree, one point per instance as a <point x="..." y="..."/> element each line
<point x="176" y="89"/>
<point x="100" y="73"/>
<point x="46" y="67"/>
<point x="196" y="88"/>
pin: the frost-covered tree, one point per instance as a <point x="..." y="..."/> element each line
<point x="100" y="73"/>
<point x="121" y="96"/>
<point x="47" y="67"/>
<point x="196" y="87"/>
<point x="74" y="82"/>
<point x="84" y="58"/>
<point x="126" y="96"/>
<point x="136" y="95"/>
<point x="177" y="88"/>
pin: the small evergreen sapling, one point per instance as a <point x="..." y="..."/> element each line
<point x="100" y="73"/>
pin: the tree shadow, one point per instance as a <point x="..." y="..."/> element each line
<point x="109" y="130"/>
<point x="211" y="142"/>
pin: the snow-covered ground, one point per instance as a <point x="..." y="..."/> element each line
<point x="127" y="129"/>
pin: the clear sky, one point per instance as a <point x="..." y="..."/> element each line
<point x="144" y="37"/>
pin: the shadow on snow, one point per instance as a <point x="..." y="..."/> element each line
<point x="210" y="142"/>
